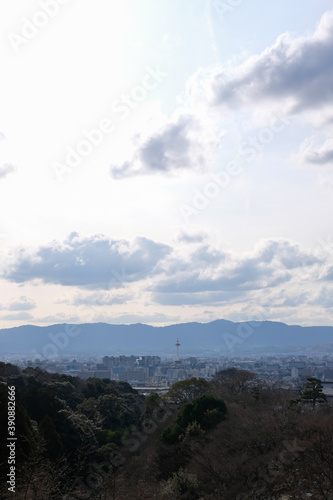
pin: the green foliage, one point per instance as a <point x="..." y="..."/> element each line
<point x="7" y="369"/>
<point x="151" y="404"/>
<point x="106" y="437"/>
<point x="96" y="387"/>
<point x="182" y="482"/>
<point x="58" y="425"/>
<point x="24" y="433"/>
<point x="255" y="391"/>
<point x="53" y="444"/>
<point x="112" y="412"/>
<point x="212" y="418"/>
<point x="40" y="402"/>
<point x="205" y="411"/>
<point x="187" y="390"/>
<point x="313" y="391"/>
<point x="261" y="451"/>
<point x="76" y="432"/>
<point x="200" y="411"/>
<point x="63" y="390"/>
<point x="194" y="430"/>
<point x="170" y="435"/>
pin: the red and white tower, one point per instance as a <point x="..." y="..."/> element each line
<point x="178" y="344"/>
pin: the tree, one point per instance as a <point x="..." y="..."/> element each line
<point x="53" y="445"/>
<point x="255" y="392"/>
<point x="152" y="404"/>
<point x="7" y="369"/>
<point x="206" y="410"/>
<point x="186" y="390"/>
<point x="112" y="412"/>
<point x="181" y="482"/>
<point x="313" y="391"/>
<point x="233" y="378"/>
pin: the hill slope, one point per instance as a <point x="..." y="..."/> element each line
<point x="218" y="335"/>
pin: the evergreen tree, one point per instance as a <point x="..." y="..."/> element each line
<point x="313" y="391"/>
<point x="53" y="444"/>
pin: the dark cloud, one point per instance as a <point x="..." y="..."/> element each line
<point x="90" y="263"/>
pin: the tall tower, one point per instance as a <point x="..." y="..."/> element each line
<point x="178" y="344"/>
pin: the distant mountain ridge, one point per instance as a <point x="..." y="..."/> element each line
<point x="219" y="335"/>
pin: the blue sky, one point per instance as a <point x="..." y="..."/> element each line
<point x="166" y="161"/>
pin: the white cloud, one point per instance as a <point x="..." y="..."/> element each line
<point x="295" y="73"/>
<point x="21" y="316"/>
<point x="185" y="237"/>
<point x="59" y="318"/>
<point x="186" y="142"/>
<point x="211" y="276"/>
<point x="7" y="169"/>
<point x="101" y="299"/>
<point x="128" y="318"/>
<point x="22" y="304"/>
<point x="95" y="262"/>
<point x="316" y="153"/>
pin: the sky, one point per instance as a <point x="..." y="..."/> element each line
<point x="164" y="161"/>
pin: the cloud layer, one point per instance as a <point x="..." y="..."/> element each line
<point x="213" y="277"/>
<point x="297" y="72"/>
<point x="95" y="262"/>
<point x="106" y="274"/>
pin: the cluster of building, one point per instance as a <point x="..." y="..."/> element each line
<point x="154" y="372"/>
<point x="142" y="370"/>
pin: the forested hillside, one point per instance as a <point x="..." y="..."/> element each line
<point x="230" y="438"/>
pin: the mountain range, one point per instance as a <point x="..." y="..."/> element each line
<point x="220" y="337"/>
